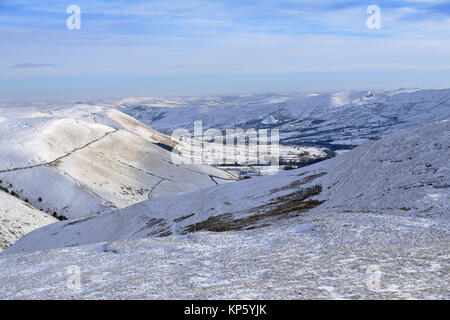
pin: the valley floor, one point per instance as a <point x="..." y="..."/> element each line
<point x="319" y="256"/>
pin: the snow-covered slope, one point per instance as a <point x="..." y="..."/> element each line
<point x="322" y="256"/>
<point x="335" y="120"/>
<point x="75" y="161"/>
<point x="407" y="173"/>
<point x="18" y="218"/>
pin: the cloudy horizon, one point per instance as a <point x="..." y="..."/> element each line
<point x="141" y="48"/>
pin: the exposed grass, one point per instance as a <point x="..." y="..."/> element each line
<point x="296" y="184"/>
<point x="183" y="217"/>
<point x="280" y="208"/>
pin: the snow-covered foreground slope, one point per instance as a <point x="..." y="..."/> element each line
<point x="334" y="120"/>
<point x="324" y="256"/>
<point x="18" y="218"/>
<point x="404" y="174"/>
<point x="75" y="161"/>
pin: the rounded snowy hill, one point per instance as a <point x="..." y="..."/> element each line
<point x="74" y="161"/>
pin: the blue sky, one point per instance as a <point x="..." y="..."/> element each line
<point x="199" y="47"/>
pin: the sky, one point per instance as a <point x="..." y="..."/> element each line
<point x="134" y="48"/>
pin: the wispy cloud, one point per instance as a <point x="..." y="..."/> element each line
<point x="31" y="65"/>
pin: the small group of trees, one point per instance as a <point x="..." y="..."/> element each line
<point x="15" y="194"/>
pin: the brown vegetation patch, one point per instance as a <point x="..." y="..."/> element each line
<point x="296" y="184"/>
<point x="280" y="208"/>
<point x="183" y="217"/>
<point x="160" y="227"/>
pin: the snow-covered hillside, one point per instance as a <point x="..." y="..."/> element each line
<point x="370" y="223"/>
<point x="74" y="161"/>
<point x="406" y="174"/>
<point x="18" y="218"/>
<point x="322" y="256"/>
<point x="334" y="120"/>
